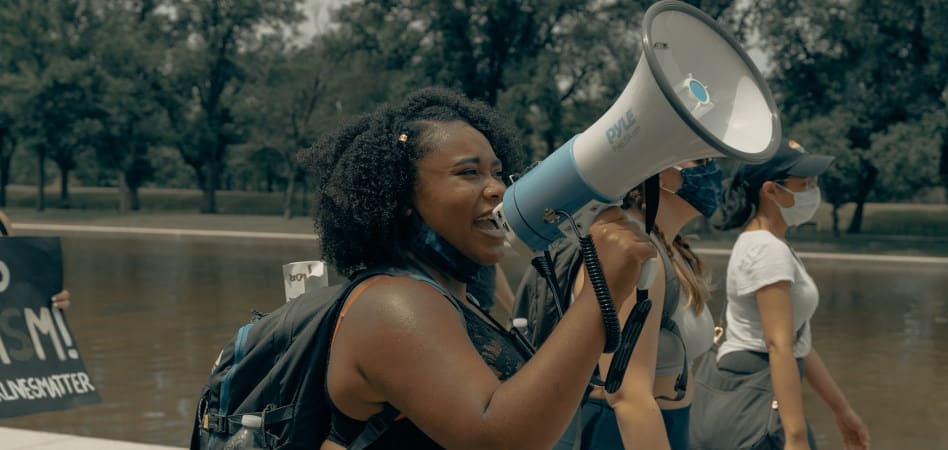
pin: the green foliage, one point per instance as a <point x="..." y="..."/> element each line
<point x="50" y="81"/>
<point x="551" y="66"/>
<point x="133" y="121"/>
<point x="284" y="105"/>
<point x="220" y="93"/>
<point x="906" y="154"/>
<point x="170" y="171"/>
<point x="210" y="62"/>
<point x="873" y="72"/>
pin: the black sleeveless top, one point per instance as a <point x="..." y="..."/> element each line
<point x="496" y="346"/>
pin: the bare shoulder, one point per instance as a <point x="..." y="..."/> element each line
<point x="393" y="305"/>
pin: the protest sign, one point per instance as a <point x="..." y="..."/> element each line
<point x="40" y="367"/>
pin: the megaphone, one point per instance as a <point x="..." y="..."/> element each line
<point x="694" y="94"/>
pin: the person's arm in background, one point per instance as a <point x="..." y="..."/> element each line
<point x="854" y="431"/>
<point x="60" y="300"/>
<point x="776" y="316"/>
<point x="7" y="227"/>
<point x="637" y="413"/>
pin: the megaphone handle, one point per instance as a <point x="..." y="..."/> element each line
<point x="610" y="319"/>
<point x="630" y="336"/>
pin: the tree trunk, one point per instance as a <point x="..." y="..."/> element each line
<point x="41" y="183"/>
<point x="5" y="158"/>
<point x="867" y="178"/>
<point x="63" y="188"/>
<point x="208" y="200"/>
<point x="4" y="178"/>
<point x="943" y="167"/>
<point x="133" y="198"/>
<point x="288" y="195"/>
<point x="835" y="215"/>
<point x="125" y="201"/>
<point x="855" y="226"/>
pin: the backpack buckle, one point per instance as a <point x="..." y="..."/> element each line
<point x="215" y="423"/>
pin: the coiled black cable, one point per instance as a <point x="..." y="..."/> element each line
<point x="610" y="319"/>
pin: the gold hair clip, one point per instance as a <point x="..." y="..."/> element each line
<point x="403" y="138"/>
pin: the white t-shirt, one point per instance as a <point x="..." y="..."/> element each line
<point x="760" y="259"/>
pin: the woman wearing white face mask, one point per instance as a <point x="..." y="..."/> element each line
<point x="771" y="297"/>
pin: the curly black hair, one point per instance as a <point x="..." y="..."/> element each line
<point x="365" y="176"/>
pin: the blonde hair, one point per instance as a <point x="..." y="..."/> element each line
<point x="691" y="273"/>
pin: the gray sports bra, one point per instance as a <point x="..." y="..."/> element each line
<point x="671" y="349"/>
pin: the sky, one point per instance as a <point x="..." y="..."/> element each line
<point x="317" y="12"/>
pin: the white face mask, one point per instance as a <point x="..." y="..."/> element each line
<point x="804" y="206"/>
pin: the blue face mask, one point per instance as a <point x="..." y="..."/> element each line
<point x="431" y="247"/>
<point x="701" y="187"/>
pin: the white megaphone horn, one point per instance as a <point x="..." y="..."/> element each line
<point x="695" y="94"/>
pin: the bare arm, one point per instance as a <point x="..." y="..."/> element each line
<point x="5" y="221"/>
<point x="405" y="345"/>
<point x="637" y="412"/>
<point x="854" y="431"/>
<point x="776" y="316"/>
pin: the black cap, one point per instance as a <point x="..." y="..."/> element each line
<point x="791" y="159"/>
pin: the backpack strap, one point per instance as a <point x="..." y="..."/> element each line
<point x="671" y="305"/>
<point x="355" y="293"/>
<point x="375" y="427"/>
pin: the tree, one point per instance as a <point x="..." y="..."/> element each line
<point x="51" y="81"/>
<point x="209" y="74"/>
<point x="907" y="155"/>
<point x="65" y="114"/>
<point x="8" y="142"/>
<point x="543" y="63"/>
<point x="7" y="146"/>
<point x="936" y="34"/>
<point x="132" y="121"/>
<point x="879" y="62"/>
<point x="284" y="103"/>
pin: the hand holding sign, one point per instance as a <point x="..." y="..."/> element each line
<point x="40" y="366"/>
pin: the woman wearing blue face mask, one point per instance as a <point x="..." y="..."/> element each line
<point x="651" y="409"/>
<point x="771" y="297"/>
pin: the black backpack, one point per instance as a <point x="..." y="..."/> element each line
<point x="267" y="388"/>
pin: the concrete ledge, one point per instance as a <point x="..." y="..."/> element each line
<point x="16" y="439"/>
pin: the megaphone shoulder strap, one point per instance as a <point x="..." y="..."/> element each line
<point x="635" y="323"/>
